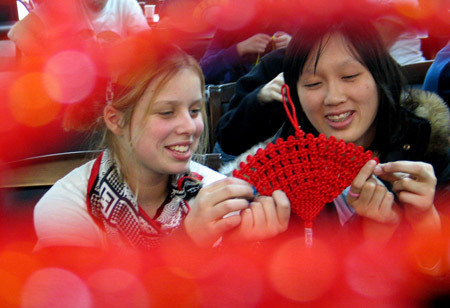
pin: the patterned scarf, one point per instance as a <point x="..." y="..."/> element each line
<point x="114" y="207"/>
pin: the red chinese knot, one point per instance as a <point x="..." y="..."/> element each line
<point x="312" y="171"/>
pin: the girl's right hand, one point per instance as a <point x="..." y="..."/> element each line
<point x="206" y="223"/>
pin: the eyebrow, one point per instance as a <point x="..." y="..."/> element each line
<point x="177" y="102"/>
<point x="350" y="60"/>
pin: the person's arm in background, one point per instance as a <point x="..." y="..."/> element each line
<point x="248" y="120"/>
<point x="220" y="58"/>
<point x="437" y="79"/>
<point x="281" y="39"/>
<point x="389" y="29"/>
<point x="135" y="19"/>
<point x="29" y="35"/>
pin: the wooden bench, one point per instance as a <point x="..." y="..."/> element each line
<point x="45" y="170"/>
<point x="415" y="73"/>
<point x="218" y="96"/>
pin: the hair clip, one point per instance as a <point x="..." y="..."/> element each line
<point x="109" y="92"/>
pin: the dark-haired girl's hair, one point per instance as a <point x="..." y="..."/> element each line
<point x="366" y="45"/>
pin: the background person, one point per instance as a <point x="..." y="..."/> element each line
<point x="255" y="108"/>
<point x="437" y="79"/>
<point x="55" y="24"/>
<point x="233" y="52"/>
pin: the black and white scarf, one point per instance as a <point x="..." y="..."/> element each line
<point x="114" y="207"/>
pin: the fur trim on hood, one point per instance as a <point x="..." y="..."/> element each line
<point x="423" y="104"/>
<point x="430" y="106"/>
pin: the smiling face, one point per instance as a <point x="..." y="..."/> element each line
<point x="165" y="134"/>
<point x="339" y="96"/>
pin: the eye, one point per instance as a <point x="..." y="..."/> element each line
<point x="165" y="113"/>
<point x="312" y="84"/>
<point x="195" y="111"/>
<point x="350" y="77"/>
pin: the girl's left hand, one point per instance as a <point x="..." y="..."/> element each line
<point x="415" y="186"/>
<point x="413" y="182"/>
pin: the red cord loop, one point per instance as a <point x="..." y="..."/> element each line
<point x="292" y="116"/>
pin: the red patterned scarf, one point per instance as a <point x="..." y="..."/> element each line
<point x="114" y="207"/>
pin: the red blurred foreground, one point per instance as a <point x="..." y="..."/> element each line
<point x="279" y="273"/>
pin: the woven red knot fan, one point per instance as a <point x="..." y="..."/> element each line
<point x="312" y="171"/>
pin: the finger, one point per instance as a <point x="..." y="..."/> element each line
<point x="279" y="82"/>
<point x="278" y="39"/>
<point x="276" y="96"/>
<point x="420" y="170"/>
<point x="387" y="209"/>
<point x="281" y="40"/>
<point x="280" y="76"/>
<point x="259" y="218"/>
<point x="265" y="36"/>
<point x="361" y="178"/>
<point x="279" y="33"/>
<point x="228" y="206"/>
<point x="377" y="198"/>
<point x="263" y="40"/>
<point x="228" y="189"/>
<point x="270" y="213"/>
<point x="366" y="194"/>
<point x="226" y="224"/>
<point x="226" y="193"/>
<point x="246" y="225"/>
<point x="283" y="208"/>
<point x="224" y="182"/>
<point x="388" y="176"/>
<point x="262" y="48"/>
<point x="418" y="202"/>
<point x="409" y="185"/>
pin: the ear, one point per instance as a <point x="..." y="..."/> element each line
<point x="113" y="119"/>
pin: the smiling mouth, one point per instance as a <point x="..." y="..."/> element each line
<point x="179" y="148"/>
<point x="339" y="117"/>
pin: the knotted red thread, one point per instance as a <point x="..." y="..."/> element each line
<point x="312" y="171"/>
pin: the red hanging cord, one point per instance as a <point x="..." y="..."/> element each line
<point x="292" y="116"/>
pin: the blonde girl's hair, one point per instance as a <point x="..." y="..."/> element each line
<point x="151" y="62"/>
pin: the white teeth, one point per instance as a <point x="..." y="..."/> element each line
<point x="179" y="148"/>
<point x="339" y="117"/>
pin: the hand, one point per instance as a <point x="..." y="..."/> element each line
<point x="372" y="200"/>
<point x="374" y="204"/>
<point x="281" y="39"/>
<point x="272" y="90"/>
<point x="205" y="223"/>
<point x="265" y="218"/>
<point x="253" y="45"/>
<point x="415" y="186"/>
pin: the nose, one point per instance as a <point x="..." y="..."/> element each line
<point x="335" y="93"/>
<point x="186" y="124"/>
